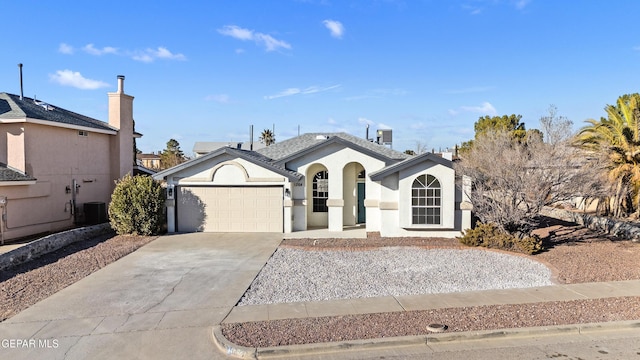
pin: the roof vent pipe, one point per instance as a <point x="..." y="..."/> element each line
<point x="120" y="84"/>
<point x="251" y="137"/>
<point x="21" y="92"/>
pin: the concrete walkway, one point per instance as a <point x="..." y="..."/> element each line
<point x="159" y="302"/>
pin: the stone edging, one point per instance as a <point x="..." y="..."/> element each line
<point x="243" y="352"/>
<point x="50" y="243"/>
<point x="621" y="229"/>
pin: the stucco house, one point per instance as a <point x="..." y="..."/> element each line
<point x="54" y="161"/>
<point x="150" y="161"/>
<point x="320" y="180"/>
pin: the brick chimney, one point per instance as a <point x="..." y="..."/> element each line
<point x="121" y="118"/>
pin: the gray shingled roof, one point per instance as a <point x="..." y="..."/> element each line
<point x="10" y="174"/>
<point x="248" y="155"/>
<point x="380" y="174"/>
<point x="11" y="107"/>
<point x="286" y="148"/>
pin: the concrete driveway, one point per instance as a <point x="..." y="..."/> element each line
<point x="159" y="302"/>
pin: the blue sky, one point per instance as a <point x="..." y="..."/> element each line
<point x="207" y="70"/>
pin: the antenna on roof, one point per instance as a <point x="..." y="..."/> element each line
<point x="20" y="67"/>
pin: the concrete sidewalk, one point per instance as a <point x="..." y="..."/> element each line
<point x="159" y="302"/>
<point x="424" y="344"/>
<point x="433" y="301"/>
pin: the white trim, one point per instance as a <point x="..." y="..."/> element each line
<point x="18" y="182"/>
<point x="57" y="124"/>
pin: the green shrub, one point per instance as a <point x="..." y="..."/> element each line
<point x="490" y="236"/>
<point x="137" y="206"/>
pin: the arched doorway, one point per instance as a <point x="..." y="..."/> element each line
<point x="353" y="194"/>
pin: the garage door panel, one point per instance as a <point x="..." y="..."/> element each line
<point x="230" y="209"/>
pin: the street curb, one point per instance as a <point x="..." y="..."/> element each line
<point x="244" y="352"/>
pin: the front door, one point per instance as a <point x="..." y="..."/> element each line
<point x="362" y="215"/>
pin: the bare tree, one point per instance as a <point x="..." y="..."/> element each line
<point x="420" y="148"/>
<point x="555" y="128"/>
<point x="513" y="180"/>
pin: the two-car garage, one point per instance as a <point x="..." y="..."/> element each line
<point x="229" y="208"/>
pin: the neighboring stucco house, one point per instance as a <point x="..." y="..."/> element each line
<point x="313" y="181"/>
<point x="149" y="161"/>
<point x="54" y="161"/>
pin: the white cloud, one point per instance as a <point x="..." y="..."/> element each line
<point x="296" y="91"/>
<point x="521" y="4"/>
<point x="485" y="109"/>
<point x="219" y="98"/>
<point x="65" y="49"/>
<point x="236" y="32"/>
<point x="76" y="80"/>
<point x="91" y="49"/>
<point x="150" y="55"/>
<point x="331" y="121"/>
<point x="373" y="125"/>
<point x="316" y="89"/>
<point x="477" y="7"/>
<point x="283" y="93"/>
<point x="335" y="27"/>
<point x="267" y="41"/>
<point x="270" y="43"/>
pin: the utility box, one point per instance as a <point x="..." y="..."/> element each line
<point x="95" y="213"/>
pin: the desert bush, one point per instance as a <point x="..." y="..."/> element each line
<point x="137" y="206"/>
<point x="491" y="236"/>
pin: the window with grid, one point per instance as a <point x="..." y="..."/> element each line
<point x="426" y="200"/>
<point x="320" y="191"/>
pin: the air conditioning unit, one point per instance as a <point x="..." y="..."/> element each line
<point x="384" y="136"/>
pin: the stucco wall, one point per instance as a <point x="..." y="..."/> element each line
<point x="55" y="157"/>
<point x="227" y="170"/>
<point x="12" y="146"/>
<point x="336" y="159"/>
<point x="395" y="203"/>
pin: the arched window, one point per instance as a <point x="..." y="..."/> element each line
<point x="426" y="200"/>
<point x="320" y="191"/>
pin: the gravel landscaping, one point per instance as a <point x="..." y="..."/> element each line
<point x="574" y="255"/>
<point x="295" y="275"/>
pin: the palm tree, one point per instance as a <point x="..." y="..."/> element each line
<point x="617" y="139"/>
<point x="267" y="137"/>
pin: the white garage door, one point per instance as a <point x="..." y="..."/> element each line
<point x="229" y="209"/>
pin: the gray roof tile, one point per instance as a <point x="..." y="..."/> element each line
<point x="10" y="174"/>
<point x="297" y="144"/>
<point x="11" y="107"/>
